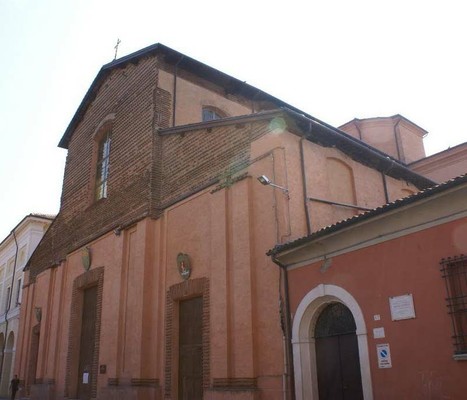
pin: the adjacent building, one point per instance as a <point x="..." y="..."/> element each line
<point x="15" y="251"/>
<point x="153" y="280"/>
<point x="378" y="301"/>
<point x="444" y="165"/>
<point x="403" y="140"/>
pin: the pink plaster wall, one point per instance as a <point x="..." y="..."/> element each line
<point x="394" y="135"/>
<point x="421" y="348"/>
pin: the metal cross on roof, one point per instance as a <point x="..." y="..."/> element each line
<point x="116" y="48"/>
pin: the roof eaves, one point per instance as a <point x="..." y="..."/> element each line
<point x="234" y="85"/>
<point x="221" y="122"/>
<point x="369" y="214"/>
<point x="47" y="217"/>
<point x="87" y="99"/>
<point x="330" y="136"/>
<point x="98" y="80"/>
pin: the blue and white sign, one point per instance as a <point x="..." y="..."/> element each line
<point x="384" y="355"/>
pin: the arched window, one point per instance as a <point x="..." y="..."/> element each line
<point x="341" y="187"/>
<point x="102" y="164"/>
<point x="211" y="113"/>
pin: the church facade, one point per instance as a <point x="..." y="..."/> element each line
<point x="153" y="280"/>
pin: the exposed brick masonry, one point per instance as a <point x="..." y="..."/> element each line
<point x="127" y="93"/>
<point x="148" y="171"/>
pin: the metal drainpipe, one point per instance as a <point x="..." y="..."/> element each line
<point x="358" y="130"/>
<point x="8" y="304"/>
<point x="385" y="186"/>
<point x="397" y="140"/>
<point x="175" y="89"/>
<point x="303" y="171"/>
<point x="288" y="329"/>
<point x="385" y="183"/>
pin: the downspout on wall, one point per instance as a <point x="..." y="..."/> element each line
<point x="397" y="139"/>
<point x="305" y="191"/>
<point x="175" y="89"/>
<point x="288" y="329"/>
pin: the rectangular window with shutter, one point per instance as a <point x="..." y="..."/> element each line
<point x="454" y="271"/>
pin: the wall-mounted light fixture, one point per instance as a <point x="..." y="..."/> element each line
<point x="264" y="180"/>
<point x="327" y="262"/>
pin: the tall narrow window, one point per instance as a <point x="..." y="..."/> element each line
<point x="18" y="293"/>
<point x="7" y="299"/>
<point x="102" y="167"/>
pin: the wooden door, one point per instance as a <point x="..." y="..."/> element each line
<point x="337" y="357"/>
<point x="34" y="354"/>
<point x="87" y="344"/>
<point x="190" y="362"/>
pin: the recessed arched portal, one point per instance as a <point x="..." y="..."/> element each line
<point x="304" y="342"/>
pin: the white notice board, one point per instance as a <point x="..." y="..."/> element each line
<point x="402" y="307"/>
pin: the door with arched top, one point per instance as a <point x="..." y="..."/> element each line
<point x="337" y="356"/>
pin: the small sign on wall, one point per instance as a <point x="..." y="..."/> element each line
<point x="378" y="333"/>
<point x="384" y="355"/>
<point x="402" y="307"/>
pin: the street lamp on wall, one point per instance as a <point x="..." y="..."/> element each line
<point x="264" y="180"/>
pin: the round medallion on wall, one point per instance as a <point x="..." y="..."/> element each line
<point x="184" y="266"/>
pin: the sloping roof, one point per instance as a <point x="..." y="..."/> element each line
<point x="395" y="116"/>
<point x="316" y="130"/>
<point x="370" y="214"/>
<point x="47" y="217"/>
<point x="443" y="153"/>
<point x="231" y="84"/>
<point x="325" y="135"/>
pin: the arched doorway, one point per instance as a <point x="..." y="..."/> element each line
<point x="313" y="304"/>
<point x="337" y="359"/>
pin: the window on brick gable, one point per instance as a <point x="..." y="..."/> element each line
<point x="211" y="113"/>
<point x="102" y="165"/>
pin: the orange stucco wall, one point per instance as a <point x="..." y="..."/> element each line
<point x="226" y="232"/>
<point x="421" y="348"/>
<point x="192" y="97"/>
<point x="394" y="135"/>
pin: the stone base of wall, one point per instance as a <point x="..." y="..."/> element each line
<point x="213" y="394"/>
<point x="141" y="389"/>
<point x="41" y="391"/>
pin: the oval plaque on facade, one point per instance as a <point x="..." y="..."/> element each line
<point x="184" y="266"/>
<point x="86" y="258"/>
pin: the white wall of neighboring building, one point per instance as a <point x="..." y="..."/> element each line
<point x="15" y="251"/>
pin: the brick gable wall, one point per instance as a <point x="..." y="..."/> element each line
<point x="195" y="159"/>
<point x="148" y="171"/>
<point x="129" y="94"/>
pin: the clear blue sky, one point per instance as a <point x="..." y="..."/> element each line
<point x="336" y="60"/>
